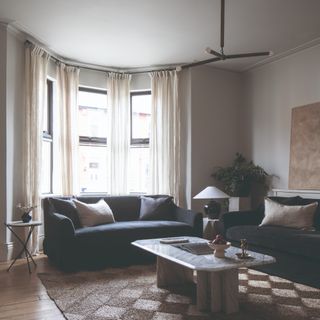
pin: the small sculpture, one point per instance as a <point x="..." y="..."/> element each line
<point x="244" y="247"/>
<point x="26" y="217"/>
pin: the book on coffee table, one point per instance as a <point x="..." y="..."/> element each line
<point x="197" y="248"/>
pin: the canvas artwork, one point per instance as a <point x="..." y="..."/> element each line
<point x="304" y="171"/>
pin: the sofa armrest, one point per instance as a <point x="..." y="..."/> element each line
<point x="193" y="219"/>
<point x="240" y="218"/>
<point x="59" y="227"/>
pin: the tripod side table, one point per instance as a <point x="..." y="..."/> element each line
<point x="19" y="224"/>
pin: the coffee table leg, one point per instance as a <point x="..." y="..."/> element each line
<point x="218" y="291"/>
<point x="170" y="273"/>
<point x="230" y="291"/>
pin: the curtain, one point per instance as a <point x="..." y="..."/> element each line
<point x="119" y="132"/>
<point x="165" y="134"/>
<point x="36" y="63"/>
<point x="67" y="88"/>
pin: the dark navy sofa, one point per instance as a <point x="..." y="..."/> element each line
<point x="71" y="247"/>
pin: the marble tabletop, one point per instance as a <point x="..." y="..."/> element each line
<point x="206" y="262"/>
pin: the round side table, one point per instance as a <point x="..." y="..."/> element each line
<point x="19" y="224"/>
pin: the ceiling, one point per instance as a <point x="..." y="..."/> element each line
<point x="140" y="33"/>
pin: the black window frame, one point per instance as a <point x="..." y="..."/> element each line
<point x="144" y="142"/>
<point x="87" y="140"/>
<point x="48" y="135"/>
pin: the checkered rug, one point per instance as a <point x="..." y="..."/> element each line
<point x="131" y="293"/>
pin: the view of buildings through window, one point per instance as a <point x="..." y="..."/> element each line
<point x="47" y="141"/>
<point x="93" y="141"/>
<point x="93" y="153"/>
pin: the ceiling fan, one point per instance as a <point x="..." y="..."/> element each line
<point x="221" y="55"/>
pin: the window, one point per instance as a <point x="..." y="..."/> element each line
<point x="47" y="141"/>
<point x="140" y="104"/>
<point x="92" y="124"/>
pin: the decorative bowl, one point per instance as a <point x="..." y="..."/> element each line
<point x="219" y="249"/>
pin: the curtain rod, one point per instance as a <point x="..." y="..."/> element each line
<point x="103" y="69"/>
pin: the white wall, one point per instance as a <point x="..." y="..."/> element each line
<point x="271" y="91"/>
<point x="3" y="109"/>
<point x="11" y="97"/>
<point x="216" y="101"/>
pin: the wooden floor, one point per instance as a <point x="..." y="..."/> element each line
<point x="22" y="296"/>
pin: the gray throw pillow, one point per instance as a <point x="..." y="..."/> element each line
<point x="300" y="217"/>
<point x="94" y="213"/>
<point x="156" y="208"/>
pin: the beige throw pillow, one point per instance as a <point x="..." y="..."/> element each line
<point x="94" y="214"/>
<point x="277" y="214"/>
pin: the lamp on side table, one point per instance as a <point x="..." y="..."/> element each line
<point x="213" y="208"/>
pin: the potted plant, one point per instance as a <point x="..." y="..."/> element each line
<point x="238" y="179"/>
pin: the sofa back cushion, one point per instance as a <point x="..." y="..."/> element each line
<point x="124" y="208"/>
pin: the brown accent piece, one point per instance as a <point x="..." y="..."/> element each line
<point x="304" y="169"/>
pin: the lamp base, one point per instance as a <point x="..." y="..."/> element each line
<point x="212" y="209"/>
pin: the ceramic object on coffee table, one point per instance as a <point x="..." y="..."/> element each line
<point x="219" y="249"/>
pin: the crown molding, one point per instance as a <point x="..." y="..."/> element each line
<point x="283" y="55"/>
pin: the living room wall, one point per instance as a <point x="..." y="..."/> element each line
<point x="271" y="91"/>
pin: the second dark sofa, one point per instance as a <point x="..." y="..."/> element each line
<point x="70" y="246"/>
<point x="297" y="251"/>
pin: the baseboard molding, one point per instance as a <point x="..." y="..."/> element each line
<point x="6" y="252"/>
<point x="7" y="249"/>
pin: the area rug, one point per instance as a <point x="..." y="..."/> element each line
<point x="131" y="294"/>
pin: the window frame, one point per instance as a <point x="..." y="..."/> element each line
<point x="47" y="136"/>
<point x="138" y="142"/>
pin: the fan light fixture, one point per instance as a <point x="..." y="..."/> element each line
<point x="220" y="56"/>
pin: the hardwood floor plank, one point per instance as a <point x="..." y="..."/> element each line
<point x="22" y="295"/>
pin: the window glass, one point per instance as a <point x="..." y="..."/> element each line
<point x="138" y="170"/>
<point x="92" y="124"/>
<point x="93" y="168"/>
<point x="46" y="174"/>
<point x="141" y="115"/>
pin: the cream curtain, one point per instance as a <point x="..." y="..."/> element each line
<point x="165" y="134"/>
<point x="67" y="89"/>
<point x="36" y="63"/>
<point x="119" y="132"/>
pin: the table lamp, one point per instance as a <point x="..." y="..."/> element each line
<point x="213" y="208"/>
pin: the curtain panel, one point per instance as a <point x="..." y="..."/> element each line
<point x="36" y="63"/>
<point x="67" y="89"/>
<point x="118" y="86"/>
<point x="165" y="135"/>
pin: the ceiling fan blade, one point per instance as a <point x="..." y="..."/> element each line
<point x="199" y="63"/>
<point x="222" y="25"/>
<point x="215" y="53"/>
<point x="248" y="55"/>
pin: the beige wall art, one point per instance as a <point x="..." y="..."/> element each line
<point x="304" y="169"/>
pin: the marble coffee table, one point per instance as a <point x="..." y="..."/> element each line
<point x="216" y="279"/>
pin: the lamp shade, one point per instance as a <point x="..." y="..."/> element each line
<point x="211" y="193"/>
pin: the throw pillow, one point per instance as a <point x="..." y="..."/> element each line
<point x="94" y="213"/>
<point x="66" y="208"/>
<point x="156" y="208"/>
<point x="300" y="217"/>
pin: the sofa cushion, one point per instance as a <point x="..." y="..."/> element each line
<point x="94" y="213"/>
<point x="128" y="231"/>
<point x="66" y="208"/>
<point x="124" y="208"/>
<point x="301" y="217"/>
<point x="156" y="208"/>
<point x="294" y="241"/>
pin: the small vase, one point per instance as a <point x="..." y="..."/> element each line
<point x="26" y="217"/>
